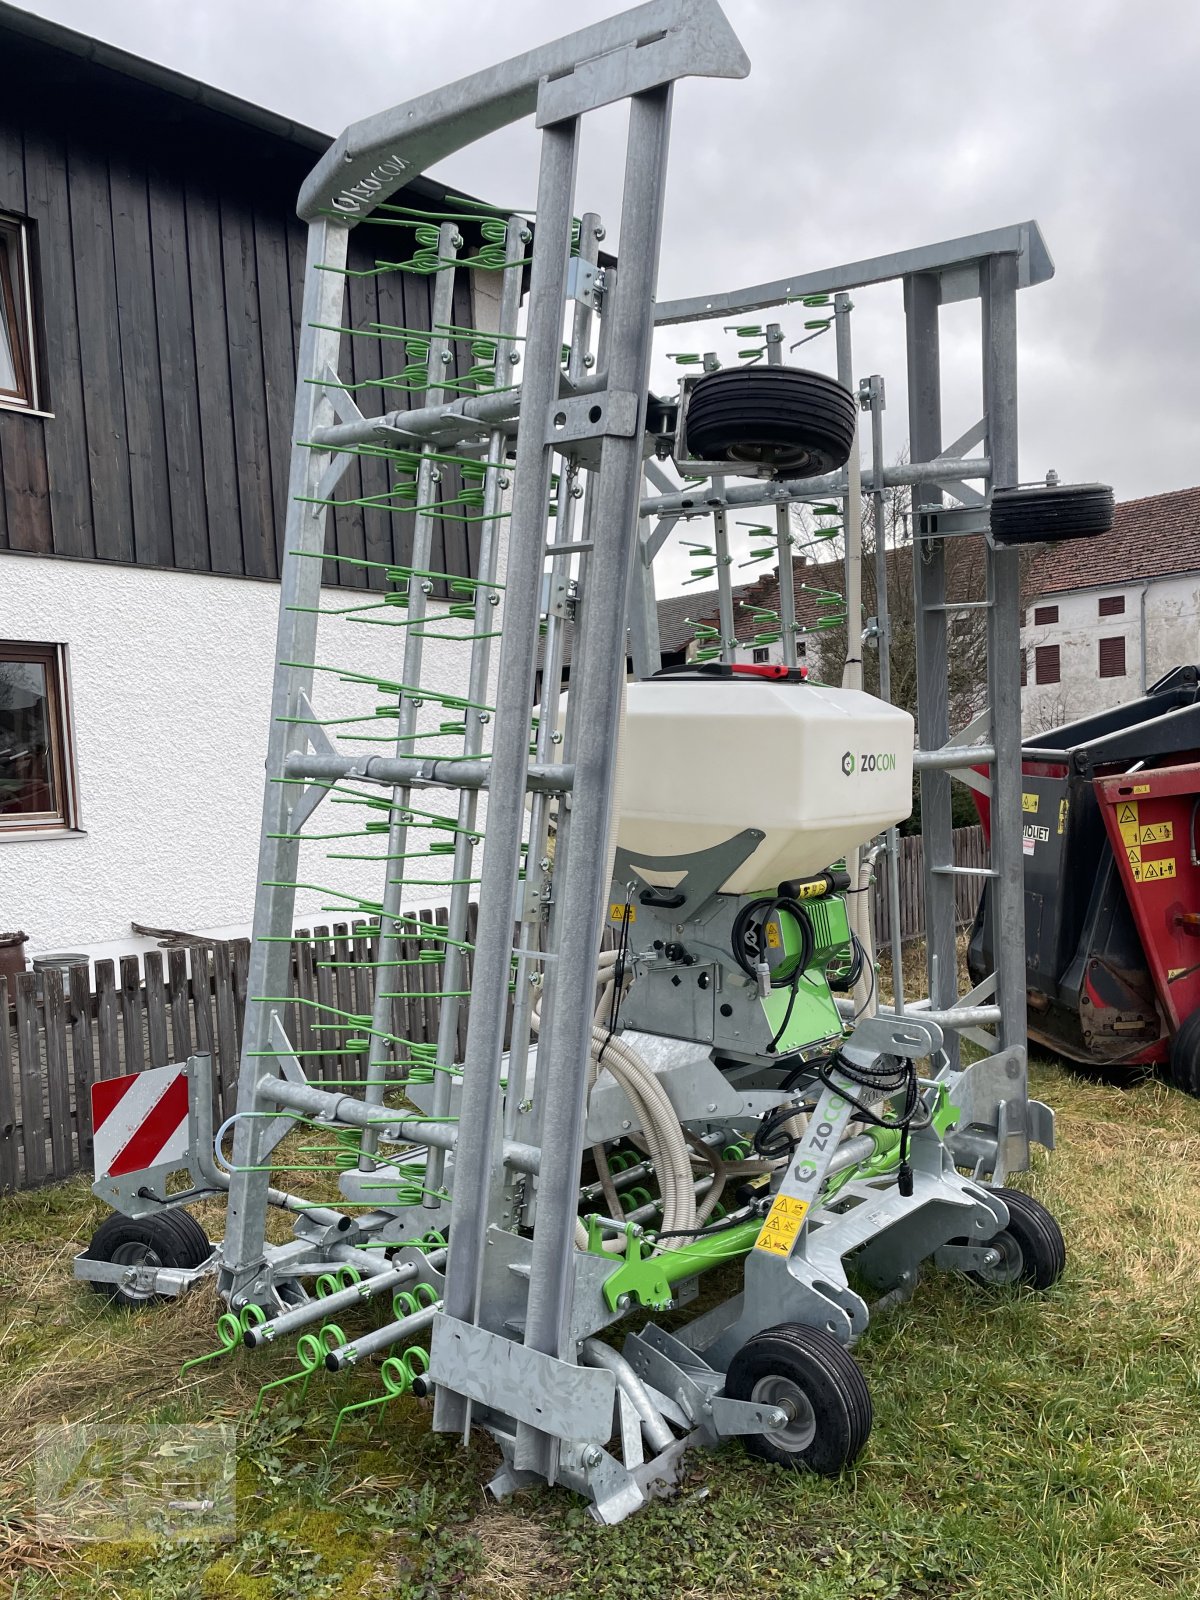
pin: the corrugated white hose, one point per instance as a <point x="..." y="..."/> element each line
<point x="660" y="1124"/>
<point x="653" y="1109"/>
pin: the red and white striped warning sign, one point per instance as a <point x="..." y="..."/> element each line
<point x="140" y="1121"/>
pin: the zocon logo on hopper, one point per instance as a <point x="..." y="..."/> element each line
<point x="869" y="761"/>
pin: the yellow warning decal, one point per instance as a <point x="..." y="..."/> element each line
<point x="1029" y="802"/>
<point x="1134" y="854"/>
<point x="1152" y="871"/>
<point x="618" y="911"/>
<point x="1149" y="833"/>
<point x="1175" y="972"/>
<point x="1062" y="816"/>
<point x="784" y="1221"/>
<point x="774" y="939"/>
<point x="1141" y="788"/>
<point x="1128" y="812"/>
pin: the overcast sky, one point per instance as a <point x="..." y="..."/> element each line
<point x="864" y="126"/>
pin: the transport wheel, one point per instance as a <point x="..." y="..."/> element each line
<point x="1031" y="1248"/>
<point x="820" y="1386"/>
<point x="798" y="422"/>
<point x="1049" y="512"/>
<point x="1185" y="1055"/>
<point x="171" y="1239"/>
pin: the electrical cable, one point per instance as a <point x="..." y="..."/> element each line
<point x="886" y="1081"/>
<point x="748" y="940"/>
<point x="866" y="1005"/>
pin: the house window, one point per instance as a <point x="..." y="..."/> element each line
<point x="37" y="769"/>
<point x="1112" y="605"/>
<point x="1045" y="663"/>
<point x="1024" y="668"/>
<point x="18" y="355"/>
<point x="1112" y="658"/>
<point x="1044" y="614"/>
<point x="762" y="653"/>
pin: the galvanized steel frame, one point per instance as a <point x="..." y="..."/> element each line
<point x="999" y="1119"/>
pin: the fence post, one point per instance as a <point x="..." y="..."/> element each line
<point x="83" y="1059"/>
<point x="58" y="1092"/>
<point x="29" y="1055"/>
<point x="8" y="1110"/>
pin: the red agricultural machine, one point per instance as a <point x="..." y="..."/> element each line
<point x="1111" y="808"/>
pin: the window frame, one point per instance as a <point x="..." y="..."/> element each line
<point x="760" y="653"/>
<point x="1043" y="653"/>
<point x="17" y="306"/>
<point x="64" y="819"/>
<point x="1111" y="605"/>
<point x="1045" y="616"/>
<point x="1110" y="643"/>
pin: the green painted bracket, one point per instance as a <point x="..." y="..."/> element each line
<point x="641" y="1277"/>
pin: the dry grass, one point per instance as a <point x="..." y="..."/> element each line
<point x="1023" y="1446"/>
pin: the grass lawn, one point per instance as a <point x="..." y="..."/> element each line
<point x="1023" y="1446"/>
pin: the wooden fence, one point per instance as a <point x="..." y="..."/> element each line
<point x="62" y="1032"/>
<point x="970" y="850"/>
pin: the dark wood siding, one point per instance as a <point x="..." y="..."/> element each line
<point x="170" y="268"/>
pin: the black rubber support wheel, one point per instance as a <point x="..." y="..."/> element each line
<point x="798" y="422"/>
<point x="1048" y="512"/>
<point x="1032" y="1249"/>
<point x="1185" y="1056"/>
<point x="192" y="1236"/>
<point x="170" y="1239"/>
<point x="808" y="1374"/>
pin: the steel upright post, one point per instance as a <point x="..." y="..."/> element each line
<point x="783" y="536"/>
<point x="921" y="301"/>
<point x="510" y="748"/>
<point x="883" y="641"/>
<point x="295" y="641"/>
<point x="453" y="963"/>
<point x="419" y="587"/>
<point x="600" y="661"/>
<point x="999" y="328"/>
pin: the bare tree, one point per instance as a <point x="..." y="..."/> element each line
<point x="822" y="538"/>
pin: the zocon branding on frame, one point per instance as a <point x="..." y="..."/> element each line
<point x="355" y="195"/>
<point x="869" y="761"/>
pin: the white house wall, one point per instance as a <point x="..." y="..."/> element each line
<point x="1172" y="639"/>
<point x="170" y="680"/>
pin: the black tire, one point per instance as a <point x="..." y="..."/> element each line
<point x="800" y="423"/>
<point x="194" y="1241"/>
<point x="1051" y="512"/>
<point x="808" y="1370"/>
<point x="1185" y="1056"/>
<point x="1033" y="1252"/>
<point x="170" y="1239"/>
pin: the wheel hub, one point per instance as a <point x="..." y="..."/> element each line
<point x="800" y="1429"/>
<point x="136" y="1254"/>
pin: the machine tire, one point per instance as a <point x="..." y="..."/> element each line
<point x="170" y="1239"/>
<point x="798" y="422"/>
<point x="1034" y="1251"/>
<point x="1185" y="1056"/>
<point x="806" y="1367"/>
<point x="193" y="1239"/>
<point x="1046" y="513"/>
